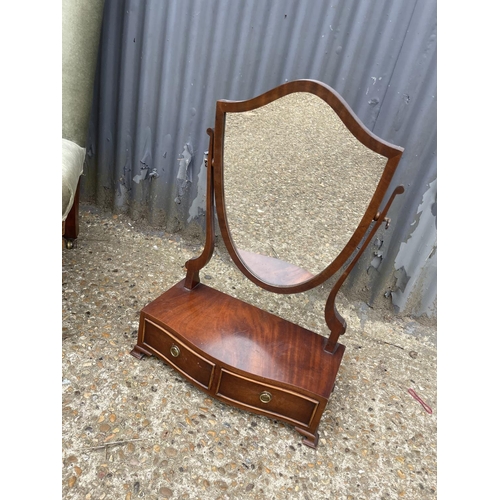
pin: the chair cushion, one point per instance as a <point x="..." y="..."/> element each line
<point x="73" y="157"/>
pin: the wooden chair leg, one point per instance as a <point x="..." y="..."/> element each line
<point x="71" y="226"/>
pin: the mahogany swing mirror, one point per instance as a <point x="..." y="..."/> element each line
<point x="297" y="183"/>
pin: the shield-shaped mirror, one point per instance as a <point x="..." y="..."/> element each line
<point x="294" y="166"/>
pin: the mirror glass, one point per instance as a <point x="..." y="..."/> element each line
<point x="296" y="185"/>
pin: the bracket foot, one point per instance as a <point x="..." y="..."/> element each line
<point x="139" y="352"/>
<point x="310" y="440"/>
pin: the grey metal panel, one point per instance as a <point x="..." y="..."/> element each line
<point x="163" y="64"/>
<point x="408" y="117"/>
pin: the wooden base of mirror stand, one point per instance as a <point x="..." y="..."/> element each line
<point x="241" y="355"/>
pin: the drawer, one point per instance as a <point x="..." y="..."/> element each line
<point x="176" y="353"/>
<point x="273" y="401"/>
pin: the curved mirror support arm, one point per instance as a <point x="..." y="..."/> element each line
<point x="194" y="266"/>
<point x="334" y="320"/>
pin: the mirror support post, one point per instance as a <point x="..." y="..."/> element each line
<point x="194" y="266"/>
<point x="334" y="320"/>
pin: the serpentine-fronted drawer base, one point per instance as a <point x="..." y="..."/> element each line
<point x="261" y="366"/>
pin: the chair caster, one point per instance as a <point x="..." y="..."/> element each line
<point x="70" y="243"/>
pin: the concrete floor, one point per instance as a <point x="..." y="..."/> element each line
<point x="136" y="429"/>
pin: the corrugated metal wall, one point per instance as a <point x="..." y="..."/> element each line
<point x="163" y="64"/>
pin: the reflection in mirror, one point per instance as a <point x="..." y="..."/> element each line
<point x="293" y="170"/>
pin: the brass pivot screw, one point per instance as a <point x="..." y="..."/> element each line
<point x="385" y="219"/>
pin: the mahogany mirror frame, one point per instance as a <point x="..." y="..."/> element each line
<point x="354" y="125"/>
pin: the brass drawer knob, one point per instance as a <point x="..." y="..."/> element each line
<point x="175" y="351"/>
<point x="265" y="397"/>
